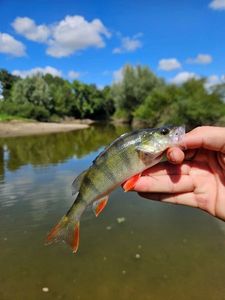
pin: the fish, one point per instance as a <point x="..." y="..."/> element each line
<point x="121" y="162"/>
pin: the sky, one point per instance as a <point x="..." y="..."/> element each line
<point x="93" y="40"/>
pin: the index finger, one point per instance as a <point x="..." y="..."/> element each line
<point x="207" y="137"/>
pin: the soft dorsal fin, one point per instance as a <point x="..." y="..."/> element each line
<point x="77" y="183"/>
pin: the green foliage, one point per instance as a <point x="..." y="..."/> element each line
<point x="220" y="90"/>
<point x="90" y="102"/>
<point x="108" y="105"/>
<point x="137" y="83"/>
<point x="4" y="118"/>
<point x="61" y="96"/>
<point x="52" y="98"/>
<point x="6" y="82"/>
<point x="30" y="98"/>
<point x="199" y="106"/>
<point x="25" y="110"/>
<point x="190" y="104"/>
<point x="161" y="107"/>
<point x="139" y="96"/>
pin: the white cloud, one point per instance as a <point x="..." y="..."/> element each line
<point x="27" y="27"/>
<point x="118" y="75"/>
<point x="200" y="59"/>
<point x="73" y="75"/>
<point x="183" y="77"/>
<point x="169" y="64"/>
<point x="214" y="80"/>
<point x="11" y="46"/>
<point x="128" y="44"/>
<point x="38" y="70"/>
<point x="74" y="33"/>
<point x="66" y="37"/>
<point x="217" y="4"/>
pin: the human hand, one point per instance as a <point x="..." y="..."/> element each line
<point x="194" y="176"/>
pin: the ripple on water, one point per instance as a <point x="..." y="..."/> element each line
<point x="135" y="249"/>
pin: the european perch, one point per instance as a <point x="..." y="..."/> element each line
<point x="122" y="161"/>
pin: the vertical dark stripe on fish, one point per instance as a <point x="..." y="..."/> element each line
<point x="107" y="172"/>
<point x="126" y="159"/>
<point x="87" y="181"/>
<point x="105" y="168"/>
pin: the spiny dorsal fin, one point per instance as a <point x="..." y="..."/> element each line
<point x="110" y="145"/>
<point x="77" y="183"/>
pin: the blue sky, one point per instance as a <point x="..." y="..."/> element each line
<point x="92" y="40"/>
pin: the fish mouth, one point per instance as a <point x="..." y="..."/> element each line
<point x="177" y="134"/>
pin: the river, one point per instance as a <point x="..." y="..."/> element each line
<point x="136" y="249"/>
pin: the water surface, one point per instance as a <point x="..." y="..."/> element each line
<point x="159" y="252"/>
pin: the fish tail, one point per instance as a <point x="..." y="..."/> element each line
<point x="66" y="230"/>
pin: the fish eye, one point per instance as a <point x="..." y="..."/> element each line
<point x="164" y="131"/>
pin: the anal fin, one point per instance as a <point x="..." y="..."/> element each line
<point x="130" y="183"/>
<point x="100" y="204"/>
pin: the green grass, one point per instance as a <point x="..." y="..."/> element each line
<point x="5" y="118"/>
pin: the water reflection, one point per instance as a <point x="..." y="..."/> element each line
<point x="55" y="148"/>
<point x="1" y="163"/>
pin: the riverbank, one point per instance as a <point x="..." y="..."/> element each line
<point x="19" y="128"/>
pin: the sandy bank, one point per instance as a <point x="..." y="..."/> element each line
<point x="15" y="128"/>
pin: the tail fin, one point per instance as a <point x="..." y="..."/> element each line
<point x="67" y="231"/>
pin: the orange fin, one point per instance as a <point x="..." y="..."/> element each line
<point x="130" y="183"/>
<point x="76" y="239"/>
<point x="67" y="231"/>
<point x="99" y="205"/>
<point x="55" y="233"/>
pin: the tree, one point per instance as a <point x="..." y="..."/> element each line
<point x="108" y="102"/>
<point x="30" y="98"/>
<point x="220" y="90"/>
<point x="200" y="107"/>
<point x="190" y="104"/>
<point x="137" y="83"/>
<point x="161" y="107"/>
<point x="90" y="102"/>
<point x="61" y="94"/>
<point x="7" y="80"/>
<point x="81" y="99"/>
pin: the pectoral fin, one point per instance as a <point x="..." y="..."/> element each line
<point x="100" y="204"/>
<point x="130" y="183"/>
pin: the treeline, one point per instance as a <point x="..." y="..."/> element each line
<point x="49" y="98"/>
<point x="140" y="96"/>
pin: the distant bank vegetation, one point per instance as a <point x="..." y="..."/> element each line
<point x="140" y="97"/>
